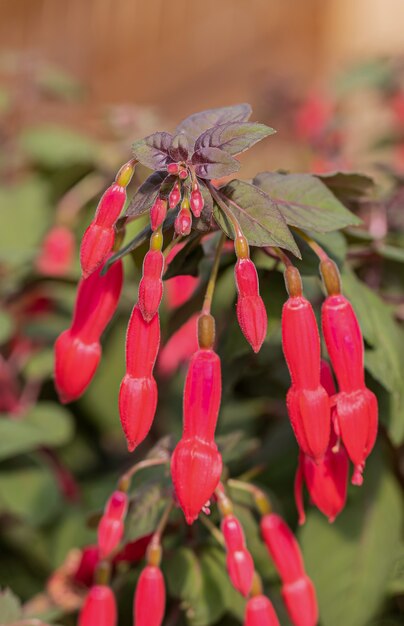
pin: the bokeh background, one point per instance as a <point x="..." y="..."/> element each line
<point x="79" y="81"/>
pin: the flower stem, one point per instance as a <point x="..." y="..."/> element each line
<point x="207" y="303"/>
<point x="215" y="532"/>
<point x="261" y="500"/>
<point x="317" y="249"/>
<point x="123" y="483"/>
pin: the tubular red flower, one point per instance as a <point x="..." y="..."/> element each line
<point x="84" y="573"/>
<point x="57" y="250"/>
<point x="239" y="562"/>
<point x="282" y="547"/>
<point x="111" y="526"/>
<point x="309" y="412"/>
<point x="196" y="467"/>
<point x="138" y="391"/>
<point x="117" y="505"/>
<point x="183" y="222"/>
<point x="99" y="608"/>
<point x="158" y="212"/>
<point x="78" y="350"/>
<point x="260" y="612"/>
<point x="174" y="196"/>
<point x="99" y="237"/>
<point x="151" y="284"/>
<point x="301" y="602"/>
<point x="197" y="201"/>
<point x="251" y="312"/>
<point x="150" y="598"/>
<point x="202" y="394"/>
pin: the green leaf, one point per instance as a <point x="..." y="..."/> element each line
<point x="145" y="195"/>
<point x="154" y="151"/>
<point x="384" y="359"/>
<point x="147" y="507"/>
<point x="259" y="218"/>
<point x="350" y="560"/>
<point x="233" y="137"/>
<point x="6" y="326"/>
<point x="46" y="424"/>
<point x="305" y="201"/>
<point x="187" y="260"/>
<point x="196" y="124"/>
<point x="10" y="607"/>
<point x="214" y="163"/>
<point x="55" y="147"/>
<point x="349" y="187"/>
<point x="396" y="582"/>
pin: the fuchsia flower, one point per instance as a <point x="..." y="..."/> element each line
<point x="78" y="349"/>
<point x="356" y="411"/>
<point x="99" y="608"/>
<point x="196" y="200"/>
<point x="239" y="562"/>
<point x="196" y="463"/>
<point x="251" y="312"/>
<point x="111" y="526"/>
<point x="260" y="612"/>
<point x="57" y="250"/>
<point x="138" y="391"/>
<point x="298" y="590"/>
<point x="326" y="481"/>
<point x="158" y="212"/>
<point x="183" y="221"/>
<point x="151" y="284"/>
<point x="307" y="401"/>
<point x="98" y="240"/>
<point x="150" y="598"/>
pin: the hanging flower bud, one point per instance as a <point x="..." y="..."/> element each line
<point x="174" y="196"/>
<point x="356" y="410"/>
<point x="99" y="608"/>
<point x="158" y="212"/>
<point x="196" y="467"/>
<point x="239" y="562"/>
<point x="150" y="598"/>
<point x="84" y="574"/>
<point x="111" y="526"/>
<point x="260" y="612"/>
<point x="183" y="221"/>
<point x="78" y="349"/>
<point x="300" y="601"/>
<point x="282" y="547"/>
<point x="197" y="201"/>
<point x="307" y="401"/>
<point x="173" y="168"/>
<point x="98" y="240"/>
<point x="251" y="313"/>
<point x="138" y="391"/>
<point x="151" y="284"/>
<point x="57" y="250"/>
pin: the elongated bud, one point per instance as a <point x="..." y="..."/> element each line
<point x="158" y="212"/>
<point x="117" y="505"/>
<point x="309" y="413"/>
<point x="99" y="608"/>
<point x="260" y="612"/>
<point x="98" y="240"/>
<point x="57" y="252"/>
<point x="111" y="526"/>
<point x="150" y="598"/>
<point x="251" y="313"/>
<point x="138" y="391"/>
<point x="300" y="600"/>
<point x="174" y="196"/>
<point x="78" y="350"/>
<point x="202" y="394"/>
<point x="196" y="201"/>
<point x="84" y="574"/>
<point x="196" y="466"/>
<point x="239" y="562"/>
<point x="282" y="547"/>
<point x="183" y="221"/>
<point x="151" y="284"/>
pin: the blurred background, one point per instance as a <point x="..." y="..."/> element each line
<point x="79" y="81"/>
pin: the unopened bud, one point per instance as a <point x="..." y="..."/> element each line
<point x="331" y="277"/>
<point x="206" y="331"/>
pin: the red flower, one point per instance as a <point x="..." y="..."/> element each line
<point x="151" y="284"/>
<point x="158" y="212"/>
<point x="99" y="608"/>
<point x="150" y="598"/>
<point x="57" y="250"/>
<point x="251" y="313"/>
<point x="197" y="200"/>
<point x="111" y="526"/>
<point x="301" y="603"/>
<point x="78" y="349"/>
<point x="260" y="612"/>
<point x="239" y="562"/>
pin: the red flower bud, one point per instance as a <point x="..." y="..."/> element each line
<point x="282" y="547"/>
<point x="183" y="222"/>
<point x="99" y="608"/>
<point x="57" y="250"/>
<point x="117" y="505"/>
<point x="151" y="285"/>
<point x="239" y="562"/>
<point x="174" y="196"/>
<point x="251" y="313"/>
<point x="301" y="602"/>
<point x="158" y="212"/>
<point x="150" y="598"/>
<point x="197" y="201"/>
<point x="78" y="350"/>
<point x="307" y="401"/>
<point x="99" y="237"/>
<point x="202" y="394"/>
<point x="183" y="174"/>
<point x="173" y="168"/>
<point x="110" y="533"/>
<point x="84" y="574"/>
<point x="260" y="612"/>
<point x="179" y="348"/>
<point x="196" y="467"/>
<point x="138" y="391"/>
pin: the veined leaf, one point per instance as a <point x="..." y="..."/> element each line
<point x="145" y="195"/>
<point x="233" y="137"/>
<point x="214" y="163"/>
<point x="153" y="151"/>
<point x="196" y="124"/>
